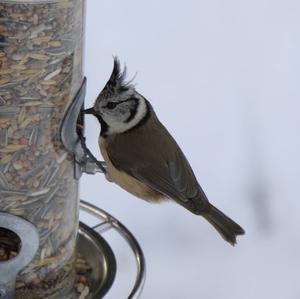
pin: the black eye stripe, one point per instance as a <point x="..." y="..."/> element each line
<point x="132" y="99"/>
<point x="112" y="105"/>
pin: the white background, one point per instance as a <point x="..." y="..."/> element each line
<point x="223" y="76"/>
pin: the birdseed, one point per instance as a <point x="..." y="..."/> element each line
<point x="40" y="72"/>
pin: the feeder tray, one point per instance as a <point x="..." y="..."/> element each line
<point x="97" y="253"/>
<point x="95" y="250"/>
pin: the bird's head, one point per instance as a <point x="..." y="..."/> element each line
<point x="118" y="107"/>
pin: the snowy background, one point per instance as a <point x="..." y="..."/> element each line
<point x="223" y="76"/>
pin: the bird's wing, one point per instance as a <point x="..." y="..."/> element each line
<point x="156" y="160"/>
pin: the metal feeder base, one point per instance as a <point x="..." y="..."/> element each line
<point x="96" y="251"/>
<point x="91" y="247"/>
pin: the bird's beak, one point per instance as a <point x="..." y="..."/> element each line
<point x="89" y="111"/>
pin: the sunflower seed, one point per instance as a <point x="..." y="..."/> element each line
<point x="40" y="192"/>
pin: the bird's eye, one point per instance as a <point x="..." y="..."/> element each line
<point x="111" y="105"/>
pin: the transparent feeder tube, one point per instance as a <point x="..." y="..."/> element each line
<point x="41" y="47"/>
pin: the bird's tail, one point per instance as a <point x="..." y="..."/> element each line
<point x="228" y="229"/>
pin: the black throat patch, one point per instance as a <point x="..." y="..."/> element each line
<point x="104" y="126"/>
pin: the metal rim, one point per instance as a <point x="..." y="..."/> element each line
<point x="110" y="265"/>
<point x="109" y="222"/>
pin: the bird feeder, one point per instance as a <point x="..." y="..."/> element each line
<point x="42" y="156"/>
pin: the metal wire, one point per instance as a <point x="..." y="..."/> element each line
<point x="110" y="221"/>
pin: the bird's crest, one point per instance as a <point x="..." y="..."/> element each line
<point x="117" y="82"/>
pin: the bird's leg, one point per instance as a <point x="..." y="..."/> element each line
<point x="89" y="163"/>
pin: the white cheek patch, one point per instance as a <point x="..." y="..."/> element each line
<point x="121" y="127"/>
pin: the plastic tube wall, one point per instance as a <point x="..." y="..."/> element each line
<point x="41" y="48"/>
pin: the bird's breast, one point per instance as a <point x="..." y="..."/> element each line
<point x="126" y="181"/>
